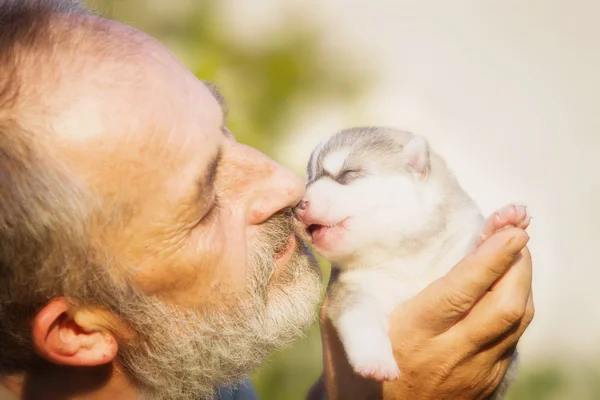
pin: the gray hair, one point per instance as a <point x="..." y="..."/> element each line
<point x="43" y="210"/>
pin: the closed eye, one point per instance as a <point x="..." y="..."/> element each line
<point x="349" y="175"/>
<point x="212" y="210"/>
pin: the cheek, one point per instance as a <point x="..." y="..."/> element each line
<point x="208" y="269"/>
<point x="364" y="197"/>
<point x="394" y="206"/>
<point x="331" y="200"/>
<point x="377" y="197"/>
<point x="328" y="201"/>
<point x="378" y="206"/>
<point x="228" y="253"/>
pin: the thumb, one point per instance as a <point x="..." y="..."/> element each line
<point x="447" y="299"/>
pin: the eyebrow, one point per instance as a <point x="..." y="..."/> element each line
<point x="219" y="97"/>
<point x="206" y="181"/>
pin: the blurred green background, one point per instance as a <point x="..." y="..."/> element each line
<point x="265" y="85"/>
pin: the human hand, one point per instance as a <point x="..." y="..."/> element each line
<point x="455" y="339"/>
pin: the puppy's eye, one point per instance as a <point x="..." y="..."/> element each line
<point x="348" y="176"/>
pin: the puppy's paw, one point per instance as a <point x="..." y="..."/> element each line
<point x="363" y="333"/>
<point x="375" y="362"/>
<point x="379" y="372"/>
<point x="510" y="215"/>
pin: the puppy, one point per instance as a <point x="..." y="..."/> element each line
<point x="389" y="214"/>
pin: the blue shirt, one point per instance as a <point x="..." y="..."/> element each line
<point x="244" y="391"/>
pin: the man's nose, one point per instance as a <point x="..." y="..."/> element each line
<point x="275" y="188"/>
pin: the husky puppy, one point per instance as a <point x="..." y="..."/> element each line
<point x="389" y="214"/>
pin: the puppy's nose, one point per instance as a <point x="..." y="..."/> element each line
<point x="300" y="209"/>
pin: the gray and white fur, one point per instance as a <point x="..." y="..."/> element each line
<point x="387" y="212"/>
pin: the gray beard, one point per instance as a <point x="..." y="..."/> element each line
<point x="185" y="354"/>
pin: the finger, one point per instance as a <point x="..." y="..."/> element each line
<point x="510" y="215"/>
<point x="440" y="304"/>
<point x="511" y="338"/>
<point x="498" y="368"/>
<point x="502" y="308"/>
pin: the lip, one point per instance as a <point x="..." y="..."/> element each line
<point x="284" y="256"/>
<point x="322" y="233"/>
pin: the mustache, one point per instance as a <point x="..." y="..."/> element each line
<point x="275" y="232"/>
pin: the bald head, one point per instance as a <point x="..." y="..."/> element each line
<point x="26" y="31"/>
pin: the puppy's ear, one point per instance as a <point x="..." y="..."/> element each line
<point x="416" y="152"/>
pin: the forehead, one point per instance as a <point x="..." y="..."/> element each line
<point x="133" y="122"/>
<point x="122" y="81"/>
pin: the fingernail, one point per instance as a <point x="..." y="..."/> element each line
<point x="516" y="243"/>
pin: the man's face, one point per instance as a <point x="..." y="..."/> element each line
<point x="201" y="228"/>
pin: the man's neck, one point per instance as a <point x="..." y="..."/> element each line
<point x="53" y="382"/>
<point x="8" y="391"/>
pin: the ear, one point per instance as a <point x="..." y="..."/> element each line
<point x="58" y="338"/>
<point x="416" y="152"/>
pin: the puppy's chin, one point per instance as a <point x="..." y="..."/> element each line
<point x="340" y="251"/>
<point x="348" y="248"/>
